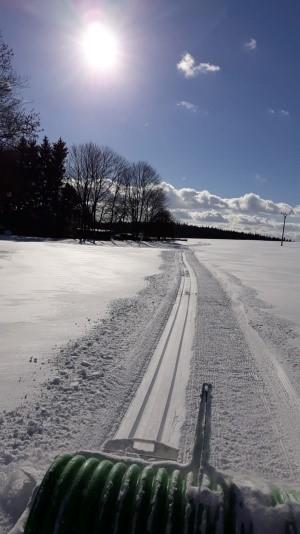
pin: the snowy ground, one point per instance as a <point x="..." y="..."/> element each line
<point x="237" y="316"/>
<point x="90" y="380"/>
<point x="265" y="267"/>
<point x="51" y="292"/>
<point x="248" y="346"/>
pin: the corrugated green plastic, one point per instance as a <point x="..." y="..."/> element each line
<point x="81" y="495"/>
<point x="94" y="496"/>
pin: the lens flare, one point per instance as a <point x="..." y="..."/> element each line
<point x="100" y="47"/>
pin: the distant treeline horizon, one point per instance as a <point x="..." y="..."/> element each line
<point x="89" y="192"/>
<point x="211" y="232"/>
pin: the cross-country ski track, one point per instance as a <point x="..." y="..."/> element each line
<point x="207" y="338"/>
<point x="157" y="411"/>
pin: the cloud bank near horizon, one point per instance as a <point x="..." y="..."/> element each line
<point x="249" y="213"/>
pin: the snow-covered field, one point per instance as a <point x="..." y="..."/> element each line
<point x="248" y="346"/>
<point x="51" y="292"/>
<point x="271" y="270"/>
<point x="231" y="307"/>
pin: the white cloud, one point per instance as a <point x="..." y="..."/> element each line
<point x="209" y="217"/>
<point x="296" y="210"/>
<point x="251" y="44"/>
<point x="182" y="215"/>
<point x="253" y="203"/>
<point x="249" y="212"/>
<point x="190" y="69"/>
<point x="187" y="105"/>
<point x="279" y="112"/>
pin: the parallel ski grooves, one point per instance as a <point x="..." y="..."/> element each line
<point x="164" y="417"/>
<point x="142" y="409"/>
<point x="157" y="412"/>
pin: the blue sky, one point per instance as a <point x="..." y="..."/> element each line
<point x="222" y="119"/>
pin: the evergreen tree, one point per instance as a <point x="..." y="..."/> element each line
<point x="69" y="213"/>
<point x="55" y="184"/>
<point x="29" y="172"/>
<point x="45" y="154"/>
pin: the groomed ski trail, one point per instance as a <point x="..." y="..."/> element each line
<point x="157" y="411"/>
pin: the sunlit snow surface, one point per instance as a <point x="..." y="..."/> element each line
<point x="273" y="271"/>
<point x="248" y="347"/>
<point x="246" y="344"/>
<point x="51" y="292"/>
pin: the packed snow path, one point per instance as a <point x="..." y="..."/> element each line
<point x="255" y="423"/>
<point x="157" y="411"/>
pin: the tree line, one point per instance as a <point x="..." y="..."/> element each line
<point x="210" y="232"/>
<point x="50" y="190"/>
<point x="88" y="192"/>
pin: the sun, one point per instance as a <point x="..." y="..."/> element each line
<point x="100" y="47"/>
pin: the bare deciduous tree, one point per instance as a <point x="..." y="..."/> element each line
<point x="143" y="192"/>
<point x="110" y="190"/>
<point x="155" y="204"/>
<point x="79" y="176"/>
<point x="15" y="120"/>
<point x="95" y="172"/>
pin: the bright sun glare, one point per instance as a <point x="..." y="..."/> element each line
<point x="100" y="47"/>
